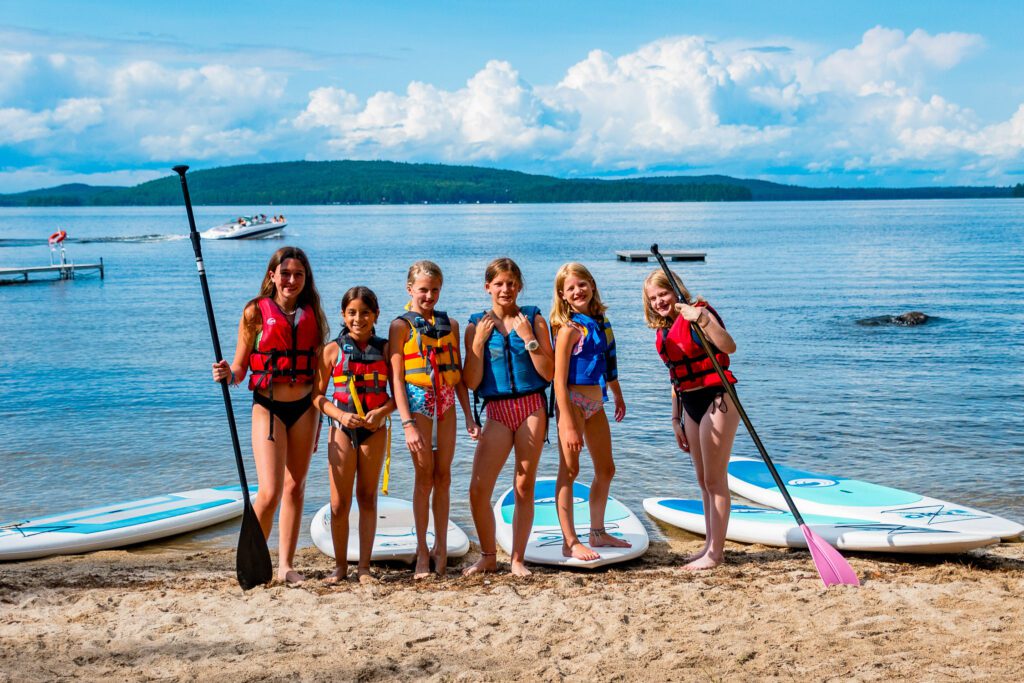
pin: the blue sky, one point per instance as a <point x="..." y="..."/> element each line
<point x="855" y="94"/>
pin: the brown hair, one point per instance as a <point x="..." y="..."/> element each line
<point x="503" y="265"/>
<point x="364" y="294"/>
<point x="659" y="279"/>
<point x="428" y="268"/>
<point x="309" y="296"/>
<point x="561" y="312"/>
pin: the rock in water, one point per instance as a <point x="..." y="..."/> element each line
<point x="909" y="319"/>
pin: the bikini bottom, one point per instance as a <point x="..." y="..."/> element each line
<point x="588" y="406"/>
<point x="697" y="402"/>
<point x="512" y="412"/>
<point x="289" y="412"/>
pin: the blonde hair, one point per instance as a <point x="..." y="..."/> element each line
<point x="659" y="279"/>
<point x="561" y="312"/>
<point x="428" y="268"/>
<point x="503" y="265"/>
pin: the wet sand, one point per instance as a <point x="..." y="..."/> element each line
<point x="128" y="615"/>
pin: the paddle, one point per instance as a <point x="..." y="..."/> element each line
<point x="832" y="567"/>
<point x="252" y="562"/>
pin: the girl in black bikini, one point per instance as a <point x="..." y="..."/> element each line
<point x="279" y="335"/>
<point x="703" y="417"/>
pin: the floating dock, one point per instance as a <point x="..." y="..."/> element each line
<point x="65" y="271"/>
<point x="646" y="255"/>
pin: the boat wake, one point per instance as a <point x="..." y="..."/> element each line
<point x="129" y="238"/>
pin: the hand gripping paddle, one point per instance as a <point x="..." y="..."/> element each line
<point x="832" y="567"/>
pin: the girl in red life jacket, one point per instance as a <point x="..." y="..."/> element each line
<point x="427" y="380"/>
<point x="279" y="335"/>
<point x="703" y="416"/>
<point x="584" y="369"/>
<point x="357" y="363"/>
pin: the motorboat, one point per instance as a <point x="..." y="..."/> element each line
<point x="247" y="227"/>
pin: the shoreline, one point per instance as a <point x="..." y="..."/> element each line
<point x="143" y="615"/>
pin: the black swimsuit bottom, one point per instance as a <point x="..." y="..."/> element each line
<point x="288" y="411"/>
<point x="697" y="402"/>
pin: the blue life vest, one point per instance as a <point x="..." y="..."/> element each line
<point x="508" y="367"/>
<point x="593" y="357"/>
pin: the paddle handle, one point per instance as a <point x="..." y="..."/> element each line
<point x="197" y="248"/>
<point x="731" y="391"/>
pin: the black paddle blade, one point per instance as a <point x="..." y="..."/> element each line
<point x="253" y="559"/>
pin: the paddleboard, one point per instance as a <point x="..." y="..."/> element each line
<point x="121" y="524"/>
<point x="826" y="494"/>
<point x="769" y="526"/>
<point x="545" y="544"/>
<point x="396" y="532"/>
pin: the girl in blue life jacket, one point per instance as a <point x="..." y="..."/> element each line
<point x="427" y="381"/>
<point x="704" y="418"/>
<point x="509" y="364"/>
<point x="357" y="363"/>
<point x="585" y="370"/>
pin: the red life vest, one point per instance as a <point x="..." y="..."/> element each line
<point x="363" y="370"/>
<point x="688" y="365"/>
<point x="285" y="352"/>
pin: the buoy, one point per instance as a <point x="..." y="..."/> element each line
<point x="58" y="237"/>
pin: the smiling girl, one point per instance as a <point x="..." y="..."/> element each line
<point x="424" y="348"/>
<point x="585" y="370"/>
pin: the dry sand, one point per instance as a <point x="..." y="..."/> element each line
<point x="120" y="615"/>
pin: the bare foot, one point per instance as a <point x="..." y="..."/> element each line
<point x="422" y="566"/>
<point x="701" y="564"/>
<point x="579" y="551"/>
<point x="337" y="576"/>
<point x="599" y="538"/>
<point x="440" y="562"/>
<point x="365" y="577"/>
<point x="291" y="577"/>
<point x="519" y="569"/>
<point x="697" y="555"/>
<point x="487" y="564"/>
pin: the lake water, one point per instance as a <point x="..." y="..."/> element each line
<point x="105" y="390"/>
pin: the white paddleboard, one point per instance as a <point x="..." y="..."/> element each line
<point x="121" y="524"/>
<point x="396" y="532"/>
<point x="768" y="526"/>
<point x="825" y="494"/>
<point x="545" y="544"/>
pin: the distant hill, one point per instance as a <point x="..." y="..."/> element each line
<point x="387" y="182"/>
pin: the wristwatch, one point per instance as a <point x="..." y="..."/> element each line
<point x="532" y="345"/>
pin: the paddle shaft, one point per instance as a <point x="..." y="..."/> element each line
<point x="197" y="248"/>
<point x="731" y="391"/>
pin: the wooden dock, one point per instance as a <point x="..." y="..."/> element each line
<point x="65" y="271"/>
<point x="646" y="255"/>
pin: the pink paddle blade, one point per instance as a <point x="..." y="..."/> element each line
<point x="832" y="567"/>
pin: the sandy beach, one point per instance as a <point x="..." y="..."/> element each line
<point x="143" y="615"/>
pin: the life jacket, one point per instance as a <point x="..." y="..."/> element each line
<point x="431" y="354"/>
<point x="508" y="367"/>
<point x="285" y="352"/>
<point x="593" y="359"/>
<point x="360" y="375"/>
<point x="689" y="367"/>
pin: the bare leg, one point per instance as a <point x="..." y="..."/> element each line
<point x="717" y="432"/>
<point x="491" y="453"/>
<point x="692" y="430"/>
<point x="270" y="457"/>
<point x="568" y="470"/>
<point x="371" y="460"/>
<point x="447" y="428"/>
<point x="598" y="438"/>
<point x="342" y="460"/>
<point x="529" y="440"/>
<point x="423" y="464"/>
<point x="300" y="452"/>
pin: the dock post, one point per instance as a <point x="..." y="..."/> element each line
<point x="101" y="267"/>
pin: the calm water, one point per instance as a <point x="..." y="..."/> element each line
<point x="105" y="391"/>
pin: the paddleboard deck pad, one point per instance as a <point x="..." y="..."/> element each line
<point x="396" y="532"/>
<point x="545" y="543"/>
<point x="120" y="524"/>
<point x="768" y="526"/>
<point x="826" y="494"/>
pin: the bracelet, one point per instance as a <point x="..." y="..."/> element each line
<point x="232" y="382"/>
<point x="410" y="421"/>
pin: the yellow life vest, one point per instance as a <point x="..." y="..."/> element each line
<point x="431" y="353"/>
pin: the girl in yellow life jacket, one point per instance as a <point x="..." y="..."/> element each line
<point x="427" y="379"/>
<point x="357" y="363"/>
